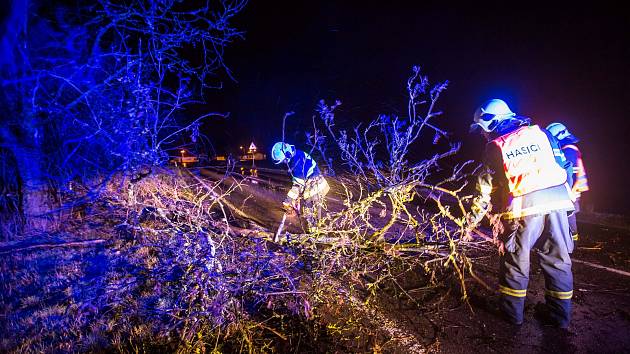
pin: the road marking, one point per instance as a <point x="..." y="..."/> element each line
<point x="602" y="267"/>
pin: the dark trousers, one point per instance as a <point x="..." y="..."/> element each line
<point x="573" y="221"/>
<point x="549" y="235"/>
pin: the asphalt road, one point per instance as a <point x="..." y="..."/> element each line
<point x="601" y="312"/>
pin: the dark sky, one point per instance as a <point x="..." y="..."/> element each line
<point x="551" y="61"/>
<point x="563" y="62"/>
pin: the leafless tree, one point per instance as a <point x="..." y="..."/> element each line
<point x="109" y="86"/>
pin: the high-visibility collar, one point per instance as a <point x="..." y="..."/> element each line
<point x="528" y="161"/>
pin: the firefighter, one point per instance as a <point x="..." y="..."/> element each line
<point x="567" y="143"/>
<point x="524" y="180"/>
<point x="309" y="185"/>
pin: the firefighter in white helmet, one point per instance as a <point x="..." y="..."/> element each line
<point x="568" y="145"/>
<point x="309" y="185"/>
<point x="524" y="181"/>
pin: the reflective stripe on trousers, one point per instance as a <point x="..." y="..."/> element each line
<point x="573" y="220"/>
<point x="549" y="235"/>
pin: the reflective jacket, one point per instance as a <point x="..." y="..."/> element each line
<point x="525" y="173"/>
<point x="302" y="166"/>
<point x="307" y="179"/>
<point x="580" y="181"/>
<point x="528" y="161"/>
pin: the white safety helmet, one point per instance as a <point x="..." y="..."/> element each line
<point x="282" y="151"/>
<point x="490" y="114"/>
<point x="561" y="132"/>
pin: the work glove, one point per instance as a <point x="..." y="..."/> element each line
<point x="470" y="223"/>
<point x="290" y="206"/>
<point x="498" y="229"/>
<point x="497" y="225"/>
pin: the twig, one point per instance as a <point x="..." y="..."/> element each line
<point x="54" y="245"/>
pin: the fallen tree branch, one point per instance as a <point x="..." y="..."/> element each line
<point x="53" y="245"/>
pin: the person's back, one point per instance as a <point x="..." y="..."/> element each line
<point x="302" y="166"/>
<point x="527" y="154"/>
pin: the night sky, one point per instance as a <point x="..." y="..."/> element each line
<point x="552" y="62"/>
<point x="549" y="62"/>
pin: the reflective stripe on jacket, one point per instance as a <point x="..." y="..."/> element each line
<point x="316" y="186"/>
<point x="306" y="177"/>
<point x="545" y="201"/>
<point x="302" y="166"/>
<point x="494" y="192"/>
<point x="580" y="181"/>
<point x="529" y="162"/>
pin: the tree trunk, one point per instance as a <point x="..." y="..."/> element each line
<point x="26" y="191"/>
